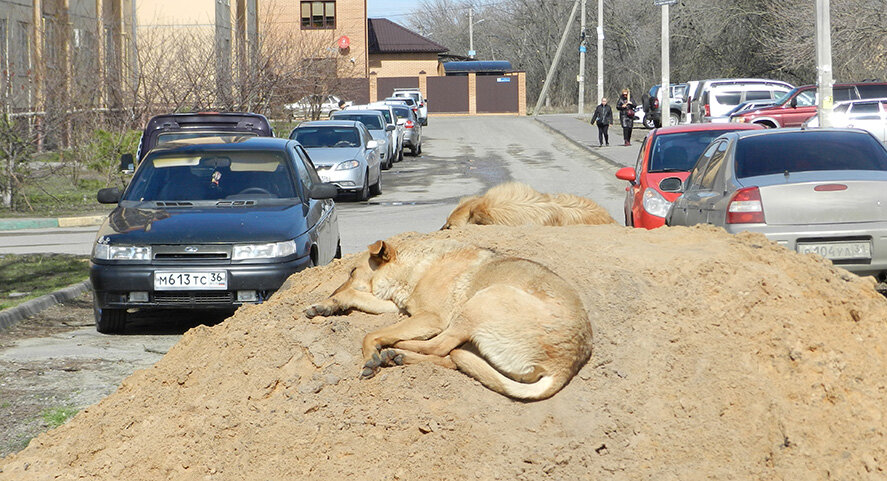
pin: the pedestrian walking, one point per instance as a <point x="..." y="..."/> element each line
<point x="626" y="107"/>
<point x="603" y="117"/>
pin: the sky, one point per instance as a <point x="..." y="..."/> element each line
<point x="394" y="10"/>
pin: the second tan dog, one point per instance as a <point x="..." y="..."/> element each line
<point x="516" y="204"/>
<point x="512" y="324"/>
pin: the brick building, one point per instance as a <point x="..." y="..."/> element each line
<point x="395" y="51"/>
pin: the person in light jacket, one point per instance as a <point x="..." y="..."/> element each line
<point x="603" y="117"/>
<point x="623" y="106"/>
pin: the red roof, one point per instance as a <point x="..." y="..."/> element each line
<point x="385" y="36"/>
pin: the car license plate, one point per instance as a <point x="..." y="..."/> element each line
<point x="182" y="280"/>
<point x="838" y="250"/>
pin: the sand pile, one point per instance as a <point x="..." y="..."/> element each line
<point x="716" y="356"/>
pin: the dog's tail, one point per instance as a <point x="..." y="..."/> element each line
<point x="478" y="368"/>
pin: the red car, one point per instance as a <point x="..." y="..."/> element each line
<point x="799" y="105"/>
<point x="666" y="158"/>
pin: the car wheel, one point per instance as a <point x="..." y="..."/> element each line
<point x="376" y="189"/>
<point x="108" y="321"/>
<point x="413" y="151"/>
<point x="364" y="193"/>
<point x="338" y="250"/>
<point x="419" y="149"/>
<point x="648" y="122"/>
<point x="390" y="163"/>
<point x="674" y="119"/>
<point x="400" y="154"/>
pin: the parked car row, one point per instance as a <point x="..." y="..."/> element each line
<point x="219" y="213"/>
<point x="811" y="190"/>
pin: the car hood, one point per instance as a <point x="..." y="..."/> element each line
<point x="204" y="225"/>
<point x="379" y="134"/>
<point x="328" y="156"/>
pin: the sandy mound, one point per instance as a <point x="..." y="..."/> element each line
<point x="716" y="356"/>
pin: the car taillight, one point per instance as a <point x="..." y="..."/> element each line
<point x="707" y="110"/>
<point x="408" y="124"/>
<point x="746" y="207"/>
<point x="655" y="103"/>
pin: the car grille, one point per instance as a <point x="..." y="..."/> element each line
<point x="193" y="297"/>
<point x="191" y="253"/>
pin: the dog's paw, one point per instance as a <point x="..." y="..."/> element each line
<point x="381" y="358"/>
<point x="319" y="310"/>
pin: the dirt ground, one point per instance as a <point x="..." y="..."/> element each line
<point x="715" y="357"/>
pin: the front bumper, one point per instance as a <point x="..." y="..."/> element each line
<point x="113" y="284"/>
<point x="350" y="180"/>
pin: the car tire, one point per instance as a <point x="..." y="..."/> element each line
<point x="674" y="119"/>
<point x="376" y="189"/>
<point x="338" y="250"/>
<point x="364" y="193"/>
<point x="419" y="149"/>
<point x="400" y="155"/>
<point x="413" y="151"/>
<point x="108" y="321"/>
<point x="648" y="122"/>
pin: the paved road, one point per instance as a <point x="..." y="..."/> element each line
<point x="463" y="156"/>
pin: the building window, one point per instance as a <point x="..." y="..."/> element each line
<point x="318" y="15"/>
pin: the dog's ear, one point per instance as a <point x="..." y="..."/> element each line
<point x="382" y="251"/>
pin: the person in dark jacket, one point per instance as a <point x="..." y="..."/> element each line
<point x="603" y="117"/>
<point x="625" y="106"/>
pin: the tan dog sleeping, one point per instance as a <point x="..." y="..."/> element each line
<point x="512" y="324"/>
<point x="515" y="204"/>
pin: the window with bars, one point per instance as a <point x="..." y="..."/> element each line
<point x="318" y="15"/>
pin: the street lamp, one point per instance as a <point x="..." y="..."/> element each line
<point x="471" y="52"/>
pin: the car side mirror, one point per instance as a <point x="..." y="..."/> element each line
<point x="323" y="191"/>
<point x="126" y="163"/>
<point x="389" y="128"/>
<point x="109" y="195"/>
<point x="627" y="174"/>
<point x="671" y="184"/>
<point x="372" y="144"/>
<point x="794" y="102"/>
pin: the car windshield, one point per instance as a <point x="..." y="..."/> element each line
<point x="372" y="121"/>
<point x="808" y="151"/>
<point x="215" y="175"/>
<point x="678" y="152"/>
<point x="338" y="137"/>
<point x="783" y="97"/>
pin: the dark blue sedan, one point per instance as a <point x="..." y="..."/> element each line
<point x="211" y="226"/>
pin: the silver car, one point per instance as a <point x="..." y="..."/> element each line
<point x="395" y="137"/>
<point x="412" y="138"/>
<point x="866" y="114"/>
<point x="378" y="128"/>
<point x="344" y="154"/>
<point x="820" y="191"/>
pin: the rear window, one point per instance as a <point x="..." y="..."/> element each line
<point x="679" y="152"/>
<point x="808" y="151"/>
<point x="372" y="122"/>
<point x="865" y="111"/>
<point x="872" y="91"/>
<point x="758" y="95"/>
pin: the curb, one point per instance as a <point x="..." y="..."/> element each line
<point x="579" y="144"/>
<point x="18" y="224"/>
<point x="27" y="309"/>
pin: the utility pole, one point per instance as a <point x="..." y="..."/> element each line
<point x="600" y="50"/>
<point x="824" y="63"/>
<point x="582" y="61"/>
<point x="471" y="31"/>
<point x="557" y="58"/>
<point x="665" y="86"/>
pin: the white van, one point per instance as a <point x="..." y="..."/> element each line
<point x="714" y="98"/>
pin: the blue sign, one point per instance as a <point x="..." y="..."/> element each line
<point x="503" y="79"/>
<point x="582" y="49"/>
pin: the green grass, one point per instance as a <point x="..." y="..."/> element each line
<point x="56" y="195"/>
<point x="36" y="275"/>
<point x="55" y="417"/>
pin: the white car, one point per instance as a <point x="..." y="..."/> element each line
<point x="421" y="102"/>
<point x="326" y="105"/>
<point x="866" y="114"/>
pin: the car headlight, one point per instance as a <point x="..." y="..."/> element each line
<point x="348" y="164"/>
<point x="263" y="251"/>
<point x="738" y="119"/>
<point x="121" y="253"/>
<point x="654" y="203"/>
